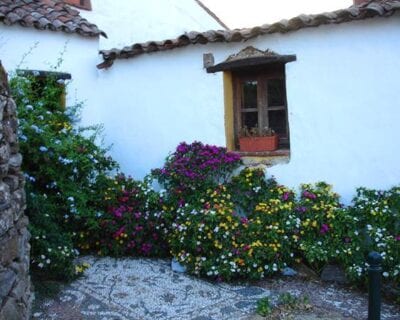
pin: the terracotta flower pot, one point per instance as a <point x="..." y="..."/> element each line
<point x="257" y="144"/>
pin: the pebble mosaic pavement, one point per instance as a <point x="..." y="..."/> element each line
<point x="141" y="289"/>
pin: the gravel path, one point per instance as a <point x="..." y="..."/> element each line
<point x="141" y="289"/>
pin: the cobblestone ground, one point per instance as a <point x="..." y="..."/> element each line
<point x="141" y="289"/>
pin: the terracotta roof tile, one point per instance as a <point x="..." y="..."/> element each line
<point x="373" y="8"/>
<point x="46" y="15"/>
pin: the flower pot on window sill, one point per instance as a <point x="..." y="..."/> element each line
<point x="257" y="144"/>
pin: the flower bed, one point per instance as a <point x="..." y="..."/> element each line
<point x="218" y="222"/>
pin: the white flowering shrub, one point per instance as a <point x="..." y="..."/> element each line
<point x="378" y="215"/>
<point x="64" y="170"/>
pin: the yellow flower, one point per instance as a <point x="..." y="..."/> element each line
<point x="314" y="223"/>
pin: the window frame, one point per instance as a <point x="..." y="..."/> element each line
<point x="261" y="75"/>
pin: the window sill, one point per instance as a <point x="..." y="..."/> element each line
<point x="275" y="153"/>
<point x="266" y="158"/>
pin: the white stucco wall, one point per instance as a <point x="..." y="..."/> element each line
<point x="43" y="49"/>
<point x="343" y="102"/>
<point x="127" y="22"/>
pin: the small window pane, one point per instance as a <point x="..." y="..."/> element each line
<point x="276" y="92"/>
<point x="250" y="119"/>
<point x="249" y="94"/>
<point x="277" y="121"/>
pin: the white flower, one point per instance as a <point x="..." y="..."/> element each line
<point x="36" y="128"/>
<point x="48" y="261"/>
<point x="29" y="107"/>
<point x="385" y="274"/>
<point x="40" y="265"/>
<point x="43" y="149"/>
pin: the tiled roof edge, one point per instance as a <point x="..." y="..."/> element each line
<point x="47" y="15"/>
<point x="382" y="8"/>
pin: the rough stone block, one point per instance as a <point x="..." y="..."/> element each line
<point x="3" y="103"/>
<point x="4" y="153"/>
<point x="19" y="289"/>
<point x="9" y="248"/>
<point x="5" y="194"/>
<point x="18" y="203"/>
<point x="23" y="249"/>
<point x="22" y="224"/>
<point x="14" y="124"/>
<point x="4" y="169"/>
<point x="12" y="310"/>
<point x="10" y="108"/>
<point x="9" y="134"/>
<point x="14" y="148"/>
<point x="333" y="273"/>
<point x="12" y="182"/>
<point x="6" y="221"/>
<point x="15" y="160"/>
<point x="7" y="279"/>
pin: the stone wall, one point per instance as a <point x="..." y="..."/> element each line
<point x="15" y="287"/>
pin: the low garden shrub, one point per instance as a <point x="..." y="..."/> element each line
<point x="378" y="226"/>
<point x="250" y="226"/>
<point x="133" y="221"/>
<point x="250" y="187"/>
<point x="205" y="237"/>
<point x="194" y="168"/>
<point x="213" y="239"/>
<point x="326" y="231"/>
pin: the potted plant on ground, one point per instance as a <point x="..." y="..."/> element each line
<point x="254" y="140"/>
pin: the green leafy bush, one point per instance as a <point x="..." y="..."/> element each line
<point x="63" y="166"/>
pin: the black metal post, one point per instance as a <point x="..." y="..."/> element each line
<point x="374" y="273"/>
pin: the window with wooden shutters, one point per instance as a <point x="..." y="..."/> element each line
<point x="260" y="102"/>
<point x="255" y="100"/>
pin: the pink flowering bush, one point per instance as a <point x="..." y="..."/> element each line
<point x="133" y="223"/>
<point x="193" y="168"/>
